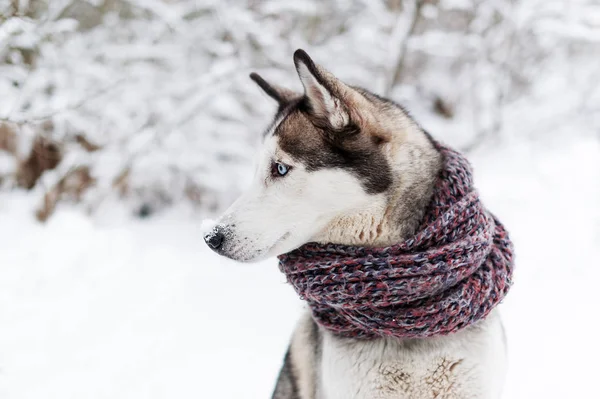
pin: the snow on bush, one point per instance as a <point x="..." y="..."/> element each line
<point x="148" y="101"/>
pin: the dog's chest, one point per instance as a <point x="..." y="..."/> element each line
<point x="384" y="369"/>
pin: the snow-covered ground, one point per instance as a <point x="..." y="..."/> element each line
<point x="121" y="308"/>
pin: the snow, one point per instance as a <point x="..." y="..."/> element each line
<point x="548" y="196"/>
<point x="129" y="308"/>
<point x="99" y="304"/>
<point x="133" y="310"/>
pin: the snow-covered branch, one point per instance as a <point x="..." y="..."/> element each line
<point x="147" y="97"/>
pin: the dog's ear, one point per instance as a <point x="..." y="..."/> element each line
<point x="277" y="93"/>
<point x="327" y="96"/>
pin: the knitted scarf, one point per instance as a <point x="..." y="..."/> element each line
<point x="450" y="274"/>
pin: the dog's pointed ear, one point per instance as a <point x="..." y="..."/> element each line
<point x="325" y="93"/>
<point x="277" y="93"/>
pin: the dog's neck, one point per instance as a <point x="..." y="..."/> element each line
<point x="395" y="215"/>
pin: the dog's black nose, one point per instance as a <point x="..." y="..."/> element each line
<point x="214" y="239"/>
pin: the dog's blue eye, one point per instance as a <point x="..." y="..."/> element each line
<point x="282" y="169"/>
<point x="279" y="169"/>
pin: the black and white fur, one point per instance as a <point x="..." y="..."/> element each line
<point x="359" y="171"/>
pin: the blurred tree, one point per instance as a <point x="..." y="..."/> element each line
<point x="159" y="88"/>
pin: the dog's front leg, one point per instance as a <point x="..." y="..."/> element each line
<point x="297" y="378"/>
<point x="287" y="383"/>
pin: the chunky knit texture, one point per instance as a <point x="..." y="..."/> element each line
<point x="450" y="274"/>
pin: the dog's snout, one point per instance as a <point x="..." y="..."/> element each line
<point x="214" y="239"/>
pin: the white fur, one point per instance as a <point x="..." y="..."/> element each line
<point x="469" y="364"/>
<point x="277" y="215"/>
<point x="322" y="101"/>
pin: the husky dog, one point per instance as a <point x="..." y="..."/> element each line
<point x="342" y="165"/>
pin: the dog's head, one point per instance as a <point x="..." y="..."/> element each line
<point x="333" y="151"/>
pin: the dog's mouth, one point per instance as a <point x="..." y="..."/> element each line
<point x="279" y="241"/>
<point x="273" y="247"/>
<point x="245" y="254"/>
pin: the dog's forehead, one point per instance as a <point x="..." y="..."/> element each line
<point x="297" y="137"/>
<point x="296" y="134"/>
<point x="293" y="135"/>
